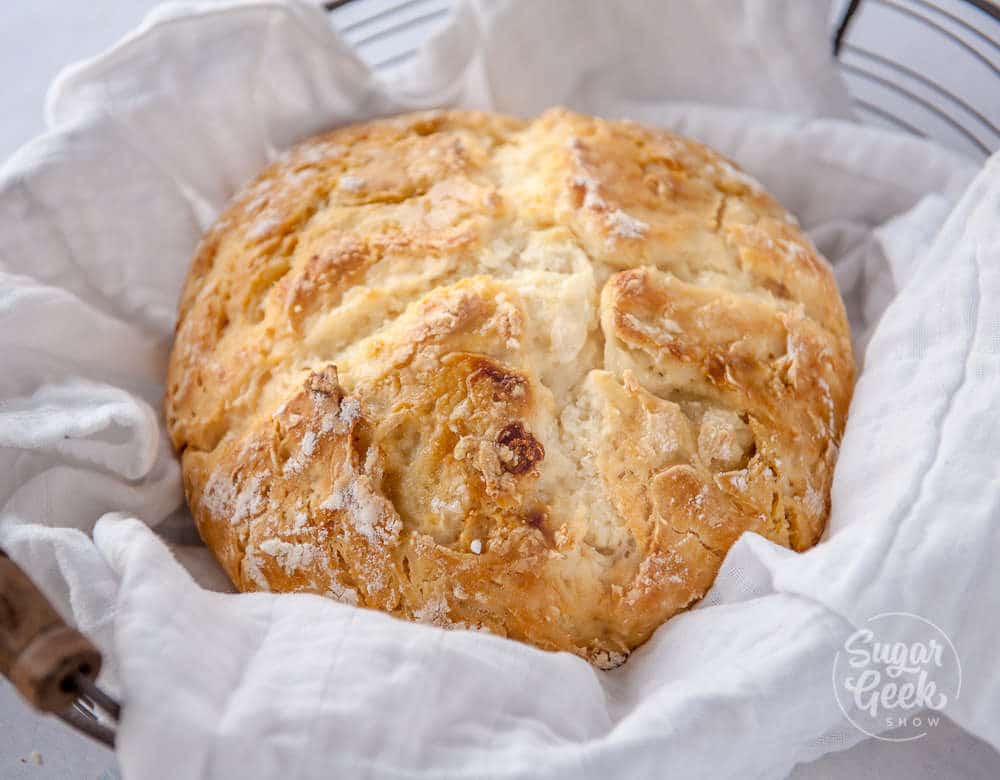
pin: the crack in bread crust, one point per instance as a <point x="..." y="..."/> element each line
<point x="530" y="378"/>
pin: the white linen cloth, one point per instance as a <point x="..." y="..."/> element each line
<point x="98" y="220"/>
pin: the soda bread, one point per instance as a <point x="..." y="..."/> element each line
<point x="533" y="378"/>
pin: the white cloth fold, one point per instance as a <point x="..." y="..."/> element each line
<point x="99" y="219"/>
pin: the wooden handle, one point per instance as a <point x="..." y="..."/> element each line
<point x="39" y="653"/>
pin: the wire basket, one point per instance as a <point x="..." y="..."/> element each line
<point x="930" y="68"/>
<point x="927" y="67"/>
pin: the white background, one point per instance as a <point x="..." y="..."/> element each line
<point x="37" y="38"/>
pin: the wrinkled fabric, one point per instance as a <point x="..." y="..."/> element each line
<point x="148" y="141"/>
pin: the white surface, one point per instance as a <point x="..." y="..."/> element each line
<point x="140" y="301"/>
<point x="40" y="37"/>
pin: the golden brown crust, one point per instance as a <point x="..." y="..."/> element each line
<point x="534" y="378"/>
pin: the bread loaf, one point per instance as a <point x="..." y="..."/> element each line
<point x="533" y="378"/>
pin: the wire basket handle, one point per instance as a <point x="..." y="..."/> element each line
<point x="51" y="664"/>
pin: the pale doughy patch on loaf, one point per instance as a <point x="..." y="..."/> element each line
<point x="530" y="378"/>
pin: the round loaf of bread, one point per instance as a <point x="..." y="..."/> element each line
<point x="533" y="378"/>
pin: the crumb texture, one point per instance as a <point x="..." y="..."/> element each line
<point x="533" y="378"/>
